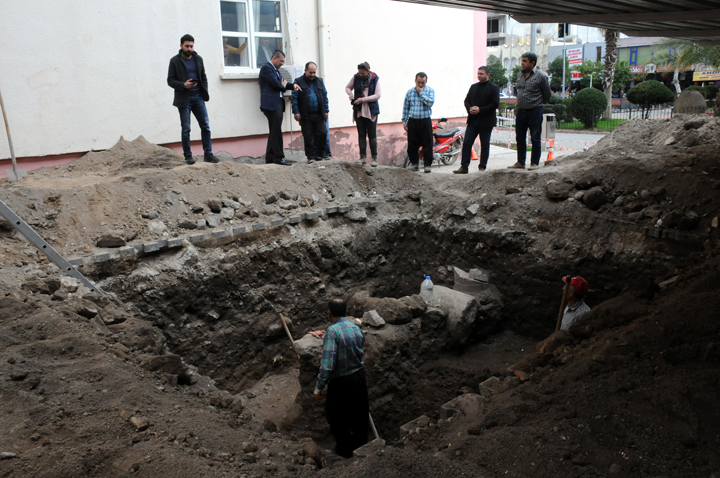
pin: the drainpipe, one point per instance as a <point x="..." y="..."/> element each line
<point x="321" y="37"/>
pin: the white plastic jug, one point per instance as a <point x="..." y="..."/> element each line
<point x="426" y="290"/>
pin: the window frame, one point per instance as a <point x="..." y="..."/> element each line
<point x="633" y="56"/>
<point x="250" y="71"/>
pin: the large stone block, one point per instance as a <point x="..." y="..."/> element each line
<point x="690" y="103"/>
<point x="463" y="310"/>
<point x="469" y="404"/>
<point x="308" y="346"/>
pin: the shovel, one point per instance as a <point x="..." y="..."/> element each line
<point x="15" y="173"/>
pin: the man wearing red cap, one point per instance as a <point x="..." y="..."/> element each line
<point x="576" y="307"/>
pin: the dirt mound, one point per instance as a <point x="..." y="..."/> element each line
<point x="123" y="157"/>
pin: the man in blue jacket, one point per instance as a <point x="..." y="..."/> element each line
<point x="310" y="107"/>
<point x="272" y="104"/>
<point x="186" y="75"/>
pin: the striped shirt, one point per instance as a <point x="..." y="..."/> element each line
<point x="418" y="106"/>
<point x="573" y="313"/>
<point x="533" y="91"/>
<point x="342" y="351"/>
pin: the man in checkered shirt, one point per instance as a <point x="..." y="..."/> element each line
<point x="533" y="90"/>
<point x="342" y="369"/>
<point x="417" y="111"/>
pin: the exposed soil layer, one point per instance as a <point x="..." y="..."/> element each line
<point x="190" y="374"/>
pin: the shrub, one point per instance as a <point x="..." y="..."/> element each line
<point x="502" y="106"/>
<point x="557" y="109"/>
<point x="567" y="103"/>
<point x="650" y="92"/>
<point x="588" y="106"/>
<point x="555" y="99"/>
<point x="712" y="91"/>
<point x="701" y="89"/>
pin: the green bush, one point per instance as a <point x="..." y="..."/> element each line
<point x="650" y="92"/>
<point x="555" y="99"/>
<point x="557" y="109"/>
<point x="503" y="106"/>
<point x="703" y="90"/>
<point x="567" y="103"/>
<point x="712" y="91"/>
<point x="588" y="106"/>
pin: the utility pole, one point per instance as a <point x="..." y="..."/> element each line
<point x="563" y="59"/>
<point x="533" y="38"/>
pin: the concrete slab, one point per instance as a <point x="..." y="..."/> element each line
<point x="174" y="242"/>
<point x="102" y="257"/>
<point x="219" y="234"/>
<point x="420" y="422"/>
<point x="76" y="262"/>
<point x="277" y="222"/>
<point x="127" y="252"/>
<point x="296" y="219"/>
<point x="195" y="238"/>
<point x="259" y="226"/>
<point x="237" y="230"/>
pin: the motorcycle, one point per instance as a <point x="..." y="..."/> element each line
<point x="447" y="146"/>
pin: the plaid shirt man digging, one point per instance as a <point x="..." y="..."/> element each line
<point x="418" y="106"/>
<point x="342" y="351"/>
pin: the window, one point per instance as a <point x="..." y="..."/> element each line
<point x="633" y="56"/>
<point x="493" y="42"/>
<point x="506" y="63"/>
<point x="251" y="31"/>
<point x="493" y="25"/>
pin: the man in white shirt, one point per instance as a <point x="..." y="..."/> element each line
<point x="576" y="306"/>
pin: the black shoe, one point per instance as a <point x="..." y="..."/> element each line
<point x="210" y="158"/>
<point x="189" y="160"/>
<point x="311" y="160"/>
<point x="283" y="162"/>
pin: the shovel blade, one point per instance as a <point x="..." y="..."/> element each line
<point x="13" y="177"/>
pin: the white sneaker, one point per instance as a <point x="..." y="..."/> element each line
<point x="414" y="167"/>
<point x="427" y="169"/>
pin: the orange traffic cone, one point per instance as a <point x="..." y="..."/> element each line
<point x="473" y="155"/>
<point x="551" y="154"/>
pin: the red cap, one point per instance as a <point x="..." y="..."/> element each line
<point x="579" y="284"/>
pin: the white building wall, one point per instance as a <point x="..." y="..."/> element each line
<point x="78" y="75"/>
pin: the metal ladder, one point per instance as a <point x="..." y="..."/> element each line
<point x="45" y="248"/>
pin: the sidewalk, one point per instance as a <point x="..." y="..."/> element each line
<point x="501" y="158"/>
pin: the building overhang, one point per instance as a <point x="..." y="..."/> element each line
<point x="694" y="20"/>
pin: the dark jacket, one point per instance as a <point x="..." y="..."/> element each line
<point x="301" y="99"/>
<point x="270" y="86"/>
<point x="178" y="75"/>
<point x="488" y="102"/>
<point x="358" y="91"/>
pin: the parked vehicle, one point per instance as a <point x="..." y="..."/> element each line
<point x="503" y="95"/>
<point x="448" y="144"/>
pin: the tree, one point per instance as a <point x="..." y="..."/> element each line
<point x="497" y="71"/>
<point x="611" y="56"/>
<point x="648" y="93"/>
<point x="682" y="54"/>
<point x="588" y="106"/>
<point x="515" y="72"/>
<point x="555" y="70"/>
<point x="622" y="77"/>
<point x="594" y="68"/>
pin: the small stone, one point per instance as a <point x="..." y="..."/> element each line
<point x="271" y="198"/>
<point x="6" y="455"/>
<point x="288" y="195"/>
<point x="60" y="294"/>
<point x="578" y="196"/>
<point x="249" y="447"/>
<point x="226" y="202"/>
<point x="473" y="209"/>
<point x="202" y="224"/>
<point x="227" y="213"/>
<point x="356" y="215"/>
<point x="18" y="376"/>
<point x="287" y="205"/>
<point x="254" y="213"/>
<point x="594" y="198"/>
<point x="587" y="181"/>
<point x="213" y="315"/>
<point x="110" y="240"/>
<point x="645" y="194"/>
<point x="557" y="190"/>
<point x="151" y="215"/>
<point x="714" y="222"/>
<point x="215" y="205"/>
<point x="658" y="191"/>
<point x="187" y="224"/>
<point x="636" y="216"/>
<point x="618" y="201"/>
<point x="140" y="423"/>
<point x="212" y="220"/>
<point x="197" y="208"/>
<point x="156" y="226"/>
<point x="373" y="319"/>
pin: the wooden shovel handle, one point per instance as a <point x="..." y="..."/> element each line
<point x="563" y="303"/>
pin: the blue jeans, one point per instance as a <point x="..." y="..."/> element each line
<point x="524" y="120"/>
<point x="197" y="105"/>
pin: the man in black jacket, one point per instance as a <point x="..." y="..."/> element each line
<point x="310" y="107"/>
<point x="186" y="75"/>
<point x="482" y="100"/>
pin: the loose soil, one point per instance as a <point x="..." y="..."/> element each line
<point x="188" y="372"/>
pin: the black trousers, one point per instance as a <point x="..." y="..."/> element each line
<point x="366" y="127"/>
<point x="420" y="133"/>
<point x="314" y="135"/>
<point x="347" y="411"/>
<point x="274" y="150"/>
<point x="471" y="133"/>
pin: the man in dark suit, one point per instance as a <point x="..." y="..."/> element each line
<point x="272" y="104"/>
<point x="482" y="100"/>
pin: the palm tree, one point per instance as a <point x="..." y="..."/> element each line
<point x="611" y="56"/>
<point x="682" y="54"/>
